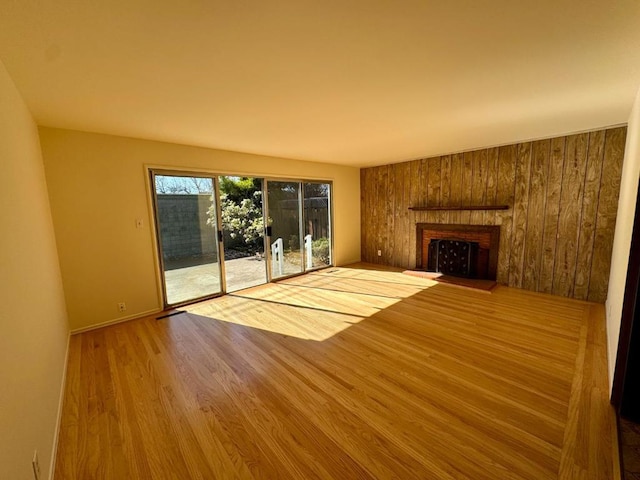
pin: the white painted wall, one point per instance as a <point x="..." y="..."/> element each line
<point x="622" y="238"/>
<point x="97" y="187"/>
<point x="33" y="317"/>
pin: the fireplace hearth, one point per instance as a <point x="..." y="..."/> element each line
<point x="469" y="251"/>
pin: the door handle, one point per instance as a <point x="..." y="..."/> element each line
<point x="220" y="237"/>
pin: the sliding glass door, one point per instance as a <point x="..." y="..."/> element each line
<point x="187" y="225"/>
<point x="299" y="226"/>
<point x="317" y="224"/>
<point x="284" y="219"/>
<point x="243" y="232"/>
<point x="212" y="237"/>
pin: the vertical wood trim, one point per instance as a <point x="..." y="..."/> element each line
<point x="479" y="185"/>
<point x="490" y="217"/>
<point x="607" y="209"/>
<point x="392" y="200"/>
<point x="570" y="211"/>
<point x="421" y="216"/>
<point x="535" y="216"/>
<point x="467" y="184"/>
<point x="406" y="230"/>
<point x="433" y="188"/>
<point x="456" y="186"/>
<point x="445" y="186"/>
<point x="383" y="214"/>
<point x="595" y="153"/>
<point x="397" y="232"/>
<point x="551" y="213"/>
<point x="416" y="174"/>
<point x="505" y="196"/>
<point x="523" y="170"/>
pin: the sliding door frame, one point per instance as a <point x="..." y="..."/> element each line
<point x="301" y="229"/>
<point x="265" y="243"/>
<point x="154" y="170"/>
<point x="330" y="224"/>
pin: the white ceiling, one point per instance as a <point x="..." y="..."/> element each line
<point x="341" y="81"/>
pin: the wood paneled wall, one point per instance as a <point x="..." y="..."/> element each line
<point x="557" y="235"/>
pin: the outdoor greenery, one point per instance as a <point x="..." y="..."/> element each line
<point x="242" y="216"/>
<point x="321" y="249"/>
<point x="241" y="205"/>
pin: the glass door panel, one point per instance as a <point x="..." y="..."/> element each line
<point x="187" y="223"/>
<point x="317" y="225"/>
<point x="243" y="232"/>
<point x="285" y="242"/>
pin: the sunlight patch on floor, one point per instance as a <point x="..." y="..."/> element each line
<point x="302" y="303"/>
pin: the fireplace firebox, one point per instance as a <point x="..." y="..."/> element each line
<point x="469" y="251"/>
<point x="453" y="257"/>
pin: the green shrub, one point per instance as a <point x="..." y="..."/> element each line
<point x="321" y="249"/>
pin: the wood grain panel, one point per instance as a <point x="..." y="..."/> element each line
<point x="425" y="190"/>
<point x="556" y="237"/>
<point x="479" y="185"/>
<point x="570" y="214"/>
<point x="407" y="229"/>
<point x="492" y="184"/>
<point x="535" y="217"/>
<point x="456" y="186"/>
<point x="520" y="206"/>
<point x="589" y="215"/>
<point x="383" y="228"/>
<point x="551" y="214"/>
<point x="434" y="188"/>
<point x="607" y="209"/>
<point x="505" y="196"/>
<point x="445" y="186"/>
<point x="372" y="223"/>
<point x="416" y="175"/>
<point x="465" y="187"/>
<point x="398" y="205"/>
<point x="389" y="229"/>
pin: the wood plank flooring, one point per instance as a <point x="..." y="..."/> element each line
<point x="346" y="373"/>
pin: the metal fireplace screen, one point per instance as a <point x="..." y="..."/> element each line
<point x="453" y="257"/>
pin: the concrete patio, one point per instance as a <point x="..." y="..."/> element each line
<point x="189" y="282"/>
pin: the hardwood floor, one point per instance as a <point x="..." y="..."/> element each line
<point x="341" y="374"/>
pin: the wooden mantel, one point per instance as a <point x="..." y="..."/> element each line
<point x="462" y="207"/>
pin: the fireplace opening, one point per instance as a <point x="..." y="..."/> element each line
<point x="468" y="251"/>
<point x="453" y="257"/>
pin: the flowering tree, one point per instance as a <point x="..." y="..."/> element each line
<point x="243" y="220"/>
<point x="241" y="205"/>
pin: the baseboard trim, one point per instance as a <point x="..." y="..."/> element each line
<point x="54" y="451"/>
<point x="618" y="460"/>
<point x="135" y="316"/>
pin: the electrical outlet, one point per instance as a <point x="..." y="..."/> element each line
<point x="379" y="253"/>
<point x="122" y="307"/>
<point x="35" y="463"/>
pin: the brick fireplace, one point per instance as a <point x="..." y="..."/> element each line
<point x="484" y="239"/>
